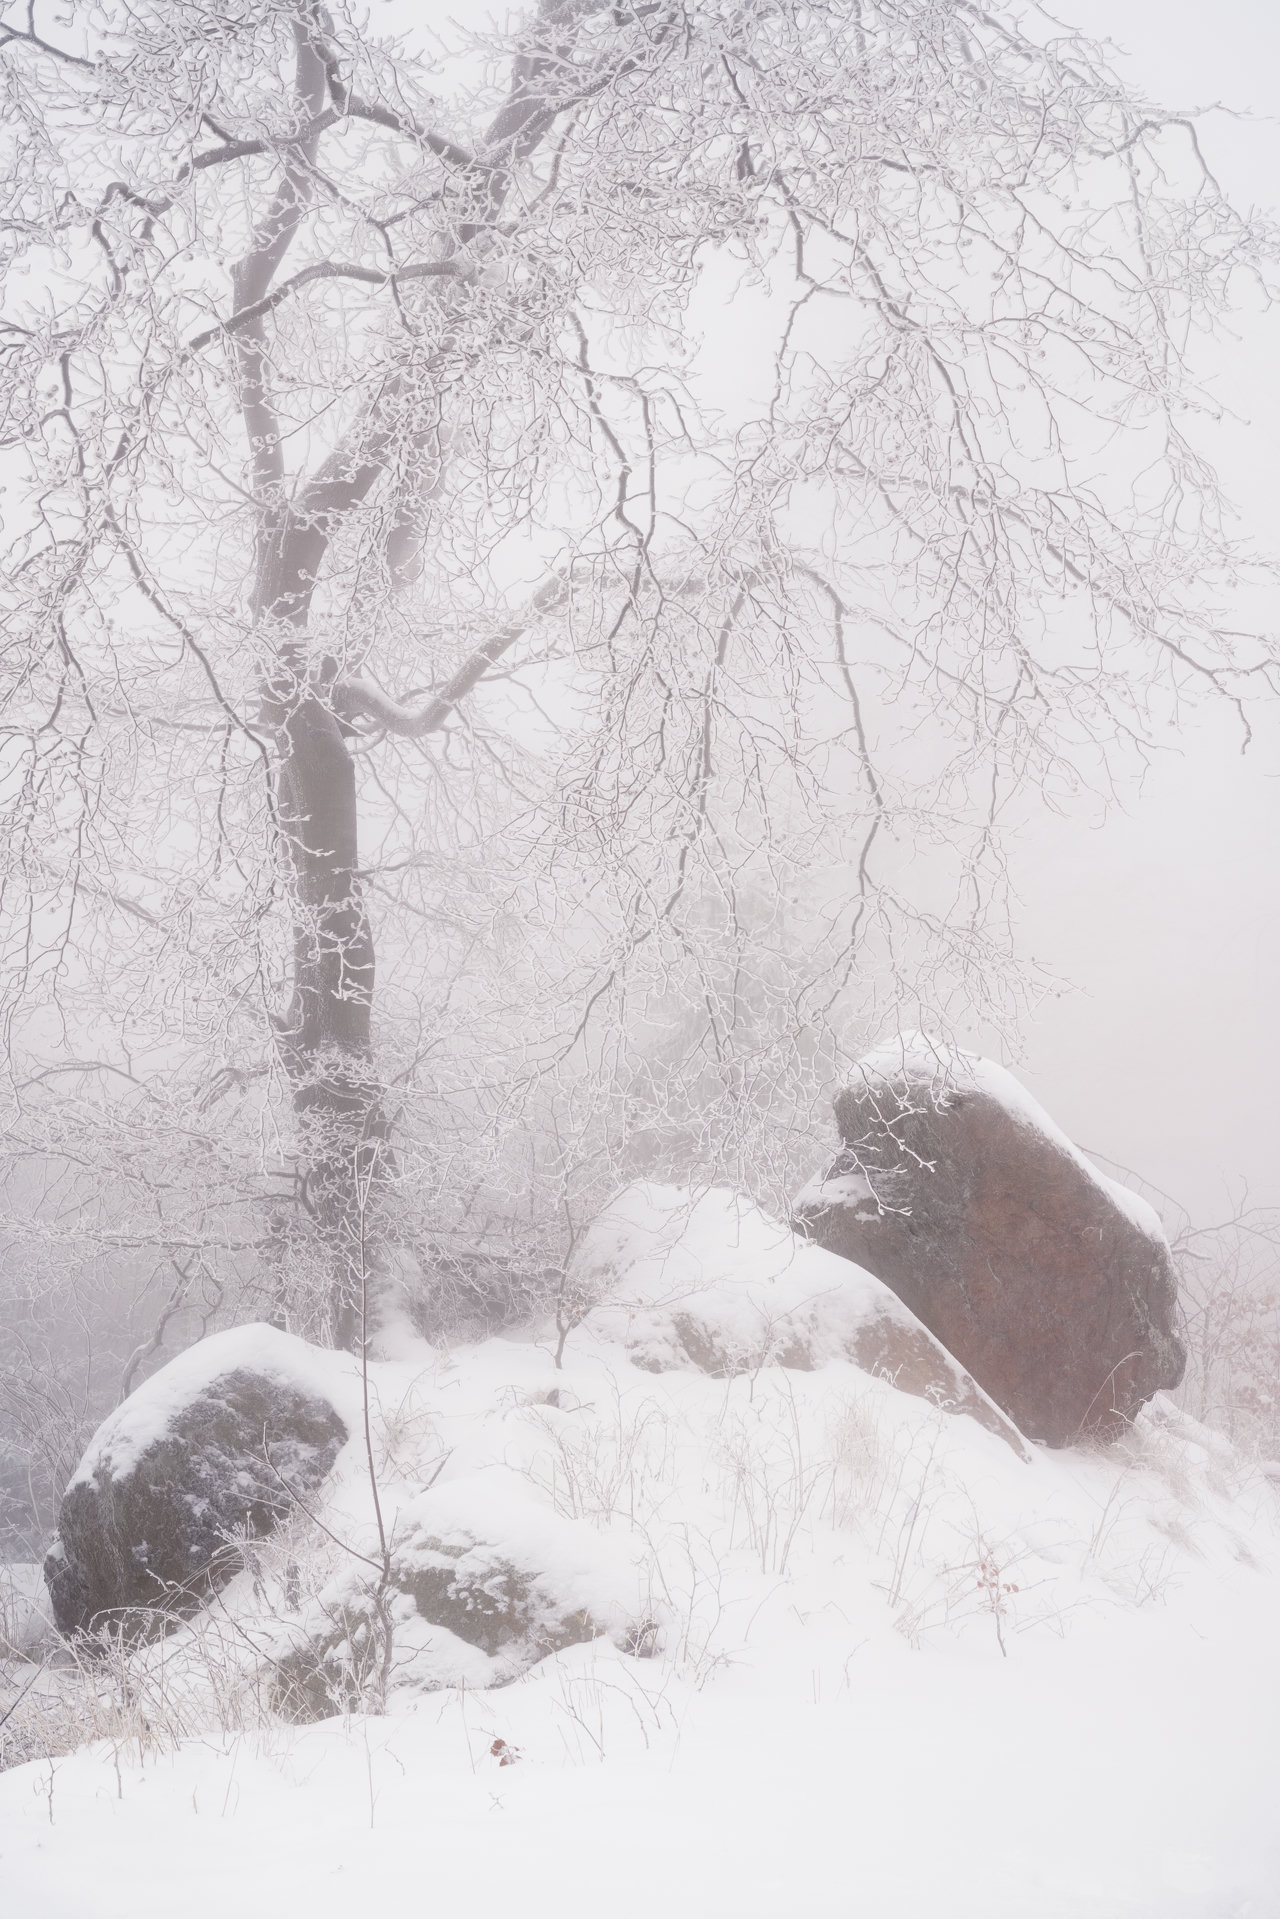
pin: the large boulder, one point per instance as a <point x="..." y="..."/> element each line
<point x="1052" y="1284"/>
<point x="217" y="1446"/>
<point x="708" y="1282"/>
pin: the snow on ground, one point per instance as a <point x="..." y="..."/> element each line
<point x="894" y="1671"/>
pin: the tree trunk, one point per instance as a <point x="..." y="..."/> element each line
<point x="325" y="1033"/>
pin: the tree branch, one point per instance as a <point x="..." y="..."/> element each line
<point x="306" y="136"/>
<point x="358" y="698"/>
<point x="326" y="270"/>
<point x="252" y="276"/>
<point x="446" y="150"/>
<point x="32" y="39"/>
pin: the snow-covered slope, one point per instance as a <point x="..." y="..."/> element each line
<point x="853" y="1656"/>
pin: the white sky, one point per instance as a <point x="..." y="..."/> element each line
<point x="1167" y="919"/>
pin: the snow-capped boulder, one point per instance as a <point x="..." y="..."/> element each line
<point x="210" y="1448"/>
<point x="480" y="1558"/>
<point x="1051" y="1283"/>
<point x="709" y="1282"/>
<point x="484" y="1580"/>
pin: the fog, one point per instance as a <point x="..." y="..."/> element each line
<point x="1162" y="919"/>
<point x="571" y="589"/>
<point x="1158" y="917"/>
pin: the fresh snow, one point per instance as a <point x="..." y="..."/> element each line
<point x="486" y="1526"/>
<point x="587" y="1569"/>
<point x="656" y="1250"/>
<point x="896" y="1670"/>
<point x="710" y="1279"/>
<point x="146" y="1416"/>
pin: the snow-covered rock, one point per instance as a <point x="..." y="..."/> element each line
<point x="483" y="1579"/>
<point x="710" y="1282"/>
<point x="215" y="1446"/>
<point x="1051" y="1283"/>
<point x="482" y="1556"/>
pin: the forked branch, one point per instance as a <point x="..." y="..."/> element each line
<point x="355" y="699"/>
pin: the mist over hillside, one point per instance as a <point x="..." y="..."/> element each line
<point x="639" y="1240"/>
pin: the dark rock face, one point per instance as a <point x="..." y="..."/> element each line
<point x="148" y="1534"/>
<point x="485" y="1600"/>
<point x="1042" y="1279"/>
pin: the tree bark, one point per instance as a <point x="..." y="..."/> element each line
<point x="325" y="1033"/>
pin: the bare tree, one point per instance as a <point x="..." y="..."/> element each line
<point x="386" y="544"/>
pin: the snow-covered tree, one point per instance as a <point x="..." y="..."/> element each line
<point x="610" y="513"/>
